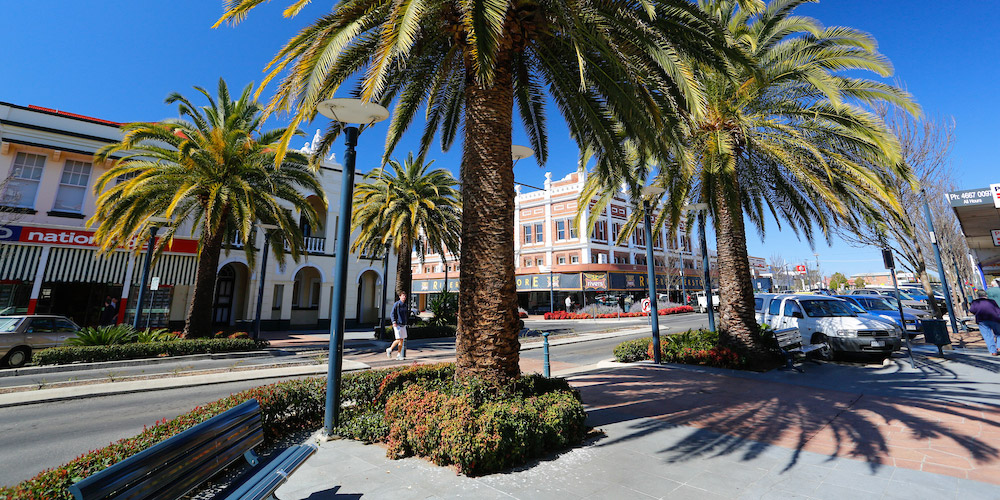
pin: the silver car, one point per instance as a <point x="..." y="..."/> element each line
<point x="20" y="335"/>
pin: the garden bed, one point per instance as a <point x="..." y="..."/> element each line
<point x="662" y="312"/>
<point x="139" y="350"/>
<point x="414" y="410"/>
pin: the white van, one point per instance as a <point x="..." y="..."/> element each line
<point x="822" y="319"/>
<point x="702" y="301"/>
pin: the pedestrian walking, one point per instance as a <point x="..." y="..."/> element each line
<point x="109" y="313"/>
<point x="399" y="316"/>
<point x="988" y="317"/>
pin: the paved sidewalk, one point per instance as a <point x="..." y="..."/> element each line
<point x="834" y="431"/>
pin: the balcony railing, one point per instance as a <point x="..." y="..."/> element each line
<point x="315" y="245"/>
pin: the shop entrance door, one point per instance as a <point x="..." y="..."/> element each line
<point x="224" y="288"/>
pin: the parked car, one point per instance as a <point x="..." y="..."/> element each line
<point x="918" y="293"/>
<point x="908" y="300"/>
<point x="703" y="301"/>
<point x="21" y="335"/>
<point x="878" y="306"/>
<point x="822" y="319"/>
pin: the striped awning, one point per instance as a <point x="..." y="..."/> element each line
<point x="85" y="265"/>
<point x="19" y="262"/>
<point x="172" y="269"/>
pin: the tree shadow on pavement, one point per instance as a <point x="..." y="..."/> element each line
<point x="743" y="415"/>
<point x="332" y="494"/>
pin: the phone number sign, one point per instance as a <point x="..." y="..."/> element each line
<point x="972" y="197"/>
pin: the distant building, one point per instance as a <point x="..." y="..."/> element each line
<point x="48" y="259"/>
<point x="587" y="266"/>
<point x="883" y="278"/>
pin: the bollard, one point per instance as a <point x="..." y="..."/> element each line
<point x="402" y="348"/>
<point x="545" y="344"/>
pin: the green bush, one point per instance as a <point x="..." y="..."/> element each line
<point x="286" y="407"/>
<point x="93" y="354"/>
<point x="117" y="335"/>
<point x="631" y="351"/>
<point x="422" y="332"/>
<point x="693" y="347"/>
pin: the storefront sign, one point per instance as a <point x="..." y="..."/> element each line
<point x="434" y="286"/>
<point x="996" y="237"/>
<point x="981" y="196"/>
<point x="75" y="237"/>
<point x="595" y="281"/>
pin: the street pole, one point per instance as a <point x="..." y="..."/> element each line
<point x="708" y="275"/>
<point x="136" y="321"/>
<point x="683" y="286"/>
<point x="385" y="291"/>
<point x="651" y="278"/>
<point x="961" y="288"/>
<point x="336" y="359"/>
<point x="260" y="287"/>
<point x="940" y="265"/>
<point x="552" y="293"/>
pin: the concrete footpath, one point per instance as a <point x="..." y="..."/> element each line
<point x="834" y="431"/>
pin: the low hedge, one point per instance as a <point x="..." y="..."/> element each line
<point x="487" y="429"/>
<point x="285" y="407"/>
<point x="180" y="347"/>
<point x="422" y="332"/>
<point x="661" y="312"/>
<point x="693" y="347"/>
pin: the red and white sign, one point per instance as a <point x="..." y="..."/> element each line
<point x="75" y="237"/>
<point x="995" y="188"/>
<point x="800" y="269"/>
<point x="645" y="305"/>
<point x="996" y="237"/>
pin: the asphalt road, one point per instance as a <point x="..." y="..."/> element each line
<point x="35" y="437"/>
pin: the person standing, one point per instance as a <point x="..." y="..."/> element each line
<point x="569" y="303"/>
<point x="109" y="314"/>
<point x="988" y="317"/>
<point x="399" y="316"/>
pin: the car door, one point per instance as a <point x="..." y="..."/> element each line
<point x="62" y="330"/>
<point x="788" y="314"/>
<point x="39" y="333"/>
<point x="11" y="334"/>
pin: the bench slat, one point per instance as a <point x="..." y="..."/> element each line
<point x="241" y="424"/>
<point x="268" y="479"/>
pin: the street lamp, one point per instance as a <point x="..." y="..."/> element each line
<point x="154" y="227"/>
<point x="518" y="152"/>
<point x="347" y="112"/>
<point x="552" y="302"/>
<point x="701" y="208"/>
<point x="385" y="289"/>
<point x="649" y="192"/>
<point x="266" y="228"/>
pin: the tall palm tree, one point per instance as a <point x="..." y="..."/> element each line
<point x="213" y="169"/>
<point x="613" y="69"/>
<point x="789" y="135"/>
<point x="408" y="207"/>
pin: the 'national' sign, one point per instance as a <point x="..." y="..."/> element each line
<point x="74" y="237"/>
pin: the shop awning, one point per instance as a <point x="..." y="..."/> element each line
<point x="19" y="262"/>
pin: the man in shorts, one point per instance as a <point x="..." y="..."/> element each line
<point x="400" y="316"/>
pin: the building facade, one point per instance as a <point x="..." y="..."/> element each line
<point x="49" y="261"/>
<point x="555" y="259"/>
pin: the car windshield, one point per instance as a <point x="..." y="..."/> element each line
<point x="856" y="308"/>
<point x="873" y="304"/>
<point x="8" y="325"/>
<point x="826" y="308"/>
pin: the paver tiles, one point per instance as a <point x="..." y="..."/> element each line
<point x="944" y="437"/>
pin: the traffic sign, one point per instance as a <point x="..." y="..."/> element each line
<point x="996" y="237"/>
<point x="995" y="188"/>
<point x="645" y="305"/>
<point x="154" y="284"/>
<point x="800" y="269"/>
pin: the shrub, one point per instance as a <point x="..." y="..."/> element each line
<point x="285" y="407"/>
<point x="93" y="354"/>
<point x="445" y="308"/>
<point x="596" y="310"/>
<point x="103" y="335"/>
<point x="693" y="347"/>
<point x="631" y="351"/>
<point x="154" y="335"/>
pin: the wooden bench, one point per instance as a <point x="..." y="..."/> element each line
<point x="174" y="467"/>
<point x="791" y="343"/>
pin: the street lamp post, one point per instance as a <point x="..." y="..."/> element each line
<point x="385" y="290"/>
<point x="940" y="266"/>
<point x="155" y="223"/>
<point x="649" y="192"/>
<point x="680" y="272"/>
<point x="347" y="112"/>
<point x="552" y="293"/>
<point x="266" y="228"/>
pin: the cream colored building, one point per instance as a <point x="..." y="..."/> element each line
<point x="48" y="262"/>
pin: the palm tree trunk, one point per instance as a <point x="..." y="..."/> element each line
<point x="199" y="318"/>
<point x="404" y="269"/>
<point x="487" y="345"/>
<point x="738" y="327"/>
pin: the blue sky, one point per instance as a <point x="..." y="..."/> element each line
<point x="117" y="60"/>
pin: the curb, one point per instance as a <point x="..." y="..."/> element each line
<point x="157" y="384"/>
<point x="72" y="367"/>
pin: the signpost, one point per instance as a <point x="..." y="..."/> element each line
<point x="645" y="305"/>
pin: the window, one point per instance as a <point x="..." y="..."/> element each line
<point x="616" y="229"/>
<point x="640" y="237"/>
<point x="560" y="230"/>
<point x="686" y="243"/>
<point x="600" y="231"/>
<point x="758" y="303"/>
<point x="791" y="308"/>
<point x="595" y="257"/>
<point x="25" y="176"/>
<point x="775" y="307"/>
<point x="640" y="259"/>
<point x="572" y="230"/>
<point x="125" y="177"/>
<point x="279" y="292"/>
<point x="72" y="186"/>
<point x="314" y="294"/>
<point x="527" y="262"/>
<point x="575" y="259"/>
<point x="562" y="260"/>
<point x="539" y="262"/>
<point x="527" y="233"/>
<point x="539" y="233"/>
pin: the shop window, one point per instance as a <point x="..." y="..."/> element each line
<point x="72" y="187"/>
<point x="26" y="173"/>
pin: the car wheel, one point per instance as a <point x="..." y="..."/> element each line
<point x="824" y="354"/>
<point x="17" y="357"/>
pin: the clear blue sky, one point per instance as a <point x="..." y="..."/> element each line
<point x="117" y="60"/>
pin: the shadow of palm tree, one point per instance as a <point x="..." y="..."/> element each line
<point x="744" y="415"/>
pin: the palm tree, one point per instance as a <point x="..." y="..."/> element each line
<point x="613" y="69"/>
<point x="408" y="207"/>
<point x="787" y="135"/>
<point x="216" y="170"/>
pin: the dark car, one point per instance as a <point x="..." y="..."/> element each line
<point x="21" y="335"/>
